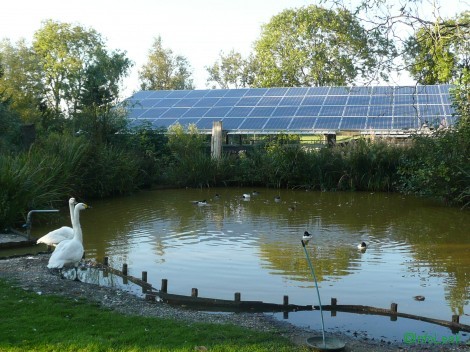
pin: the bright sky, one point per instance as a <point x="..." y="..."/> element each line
<point x="196" y="29"/>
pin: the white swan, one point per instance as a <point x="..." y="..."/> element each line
<point x="54" y="237"/>
<point x="69" y="252"/>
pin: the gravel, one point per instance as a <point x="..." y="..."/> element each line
<point x="31" y="273"/>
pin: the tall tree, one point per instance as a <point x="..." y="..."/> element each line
<point x="21" y="80"/>
<point x="65" y="51"/>
<point x="164" y="70"/>
<point x="439" y="52"/>
<point x="230" y="71"/>
<point x="313" y="46"/>
<point x="100" y="94"/>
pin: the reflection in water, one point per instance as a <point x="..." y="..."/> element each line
<point x="414" y="247"/>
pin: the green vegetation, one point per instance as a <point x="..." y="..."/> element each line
<point x="31" y="322"/>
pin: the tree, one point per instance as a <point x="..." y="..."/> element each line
<point x="230" y="71"/>
<point x="20" y="82"/>
<point x="313" y="46"/>
<point x="65" y="52"/>
<point x="439" y="52"/>
<point x="100" y="94"/>
<point x="164" y="70"/>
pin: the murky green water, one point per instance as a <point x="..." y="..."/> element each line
<point x="415" y="247"/>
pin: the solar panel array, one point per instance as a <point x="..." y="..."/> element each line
<point x="306" y="110"/>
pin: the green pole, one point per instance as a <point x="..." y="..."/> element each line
<point x="318" y="292"/>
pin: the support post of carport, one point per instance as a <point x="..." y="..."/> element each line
<point x="216" y="140"/>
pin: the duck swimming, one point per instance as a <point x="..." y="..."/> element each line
<point x="200" y="202"/>
<point x="307" y="235"/>
<point x="362" y="245"/>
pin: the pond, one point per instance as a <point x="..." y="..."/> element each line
<point x="253" y="246"/>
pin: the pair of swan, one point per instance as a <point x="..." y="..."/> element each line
<point x="70" y="251"/>
<point x="68" y="241"/>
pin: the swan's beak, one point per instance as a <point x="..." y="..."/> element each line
<point x="87" y="206"/>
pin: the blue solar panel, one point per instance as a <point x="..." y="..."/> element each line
<point x="297" y="91"/>
<point x="196" y="94"/>
<point x="354" y="123"/>
<point x="283" y="111"/>
<point x="359" y="100"/>
<point x="133" y="113"/>
<point x="276" y="124"/>
<point x="196" y="112"/>
<point x="248" y="101"/>
<point x="308" y="111"/>
<point x="189" y="121"/>
<point x="430" y="110"/>
<point x="235" y="93"/>
<point x="187" y="103"/>
<point x="328" y="123"/>
<point x="303" y="123"/>
<point x="227" y="102"/>
<point x="206" y="123"/>
<point x="406" y="122"/>
<point x="381" y="110"/>
<point x="177" y="112"/>
<point x="159" y="94"/>
<point x="276" y="92"/>
<point x="318" y="90"/>
<point x="232" y="123"/>
<point x="379" y="123"/>
<point x="356" y="110"/>
<point x="429" y="99"/>
<point x="336" y="100"/>
<point x="168" y="103"/>
<point x="178" y="94"/>
<point x="269" y="101"/>
<point x="207" y="102"/>
<point x="405" y="99"/>
<point x="239" y="112"/>
<point x="291" y="101"/>
<point x="256" y="92"/>
<point x="154" y="113"/>
<point x="405" y="110"/>
<point x="328" y="110"/>
<point x="253" y="124"/>
<point x="313" y="100"/>
<point x="263" y="111"/>
<point x="300" y="109"/>
<point x="218" y="111"/>
<point x="381" y="100"/>
<point x="218" y="93"/>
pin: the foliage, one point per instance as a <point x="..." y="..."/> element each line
<point x="439" y="52"/>
<point x="439" y="166"/>
<point x="230" y="71"/>
<point x="20" y="81"/>
<point x="164" y="70"/>
<point x="52" y="323"/>
<point x="39" y="178"/>
<point x="313" y="46"/>
<point x="9" y="126"/>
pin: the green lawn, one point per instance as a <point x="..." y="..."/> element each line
<point x="32" y="322"/>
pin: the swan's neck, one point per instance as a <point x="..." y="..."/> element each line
<point x="77" y="229"/>
<point x="72" y="215"/>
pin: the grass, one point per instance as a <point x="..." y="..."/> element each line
<point x="50" y="323"/>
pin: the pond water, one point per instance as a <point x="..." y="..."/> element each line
<point x="253" y="246"/>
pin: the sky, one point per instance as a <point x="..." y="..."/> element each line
<point x="196" y="29"/>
